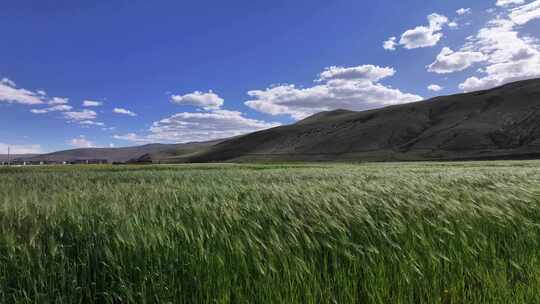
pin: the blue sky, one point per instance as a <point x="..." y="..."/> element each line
<point x="120" y="73"/>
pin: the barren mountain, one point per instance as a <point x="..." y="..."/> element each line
<point x="503" y="122"/>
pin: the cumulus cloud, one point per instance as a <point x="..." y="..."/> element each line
<point x="435" y="88"/>
<point x="92" y="103"/>
<point x="58" y="101"/>
<point x="449" y="61"/>
<point x="81" y="142"/>
<point x="133" y="137"/>
<point x="509" y="2"/>
<point x="354" y="88"/>
<point x="58" y="108"/>
<point x="81" y="115"/>
<point x="525" y="13"/>
<point x="390" y="44"/>
<point x="61" y="108"/>
<point x="39" y="111"/>
<point x="363" y="72"/>
<point x="500" y="41"/>
<point x="424" y="36"/>
<point x="123" y="111"/>
<point x="200" y="126"/>
<point x="510" y="56"/>
<point x="91" y="123"/>
<point x="56" y="104"/>
<point x="207" y="101"/>
<point x="463" y="11"/>
<point x="11" y="94"/>
<point x="20" y="149"/>
<point x="84" y="118"/>
<point x="499" y="74"/>
<point x="8" y="82"/>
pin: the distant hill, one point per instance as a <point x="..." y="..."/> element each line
<point x="503" y="122"/>
<point x="128" y="154"/>
<point x="5" y="157"/>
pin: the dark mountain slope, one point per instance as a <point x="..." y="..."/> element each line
<point x="499" y="123"/>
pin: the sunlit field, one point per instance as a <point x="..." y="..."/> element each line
<point x="313" y="233"/>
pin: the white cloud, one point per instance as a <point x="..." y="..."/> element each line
<point x="56" y="104"/>
<point x="85" y="118"/>
<point x="92" y="103"/>
<point x="91" y="123"/>
<point x="390" y="44"/>
<point x="453" y="24"/>
<point x="509" y="2"/>
<point x="20" y="149"/>
<point x="189" y="127"/>
<point x="58" y="101"/>
<point x="463" y="11"/>
<point x="39" y="111"/>
<point x="82" y="115"/>
<point x="353" y="88"/>
<point x="132" y="137"/>
<point x="81" y="142"/>
<point x="61" y="108"/>
<point x="124" y="112"/>
<point x="11" y="94"/>
<point x="499" y="74"/>
<point x="525" y="13"/>
<point x="499" y="40"/>
<point x="435" y="88"/>
<point x="510" y="56"/>
<point x="449" y="61"/>
<point x="58" y="108"/>
<point x="436" y="21"/>
<point x="424" y="36"/>
<point x="420" y="37"/>
<point x="364" y="72"/>
<point x="207" y="101"/>
<point x="8" y="82"/>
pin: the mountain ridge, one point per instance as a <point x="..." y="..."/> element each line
<point x="499" y="123"/>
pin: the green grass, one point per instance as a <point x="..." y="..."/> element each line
<point x="374" y="233"/>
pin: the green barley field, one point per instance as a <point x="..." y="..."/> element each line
<point x="302" y="233"/>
